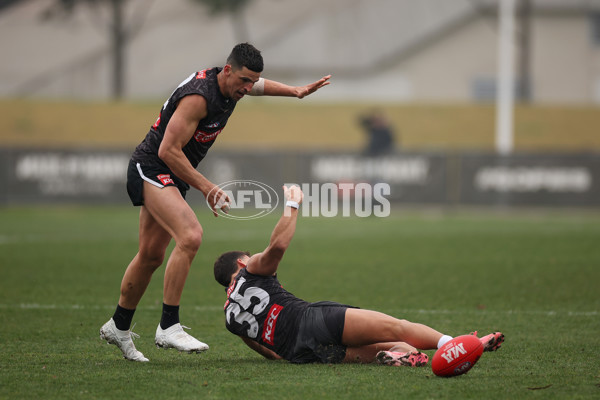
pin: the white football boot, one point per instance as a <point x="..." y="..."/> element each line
<point x="175" y="337"/>
<point x="123" y="340"/>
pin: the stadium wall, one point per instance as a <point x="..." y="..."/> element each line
<point x="32" y="176"/>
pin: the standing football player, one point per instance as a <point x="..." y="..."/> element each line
<point x="161" y="171"/>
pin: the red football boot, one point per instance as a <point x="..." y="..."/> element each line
<point x="408" y="359"/>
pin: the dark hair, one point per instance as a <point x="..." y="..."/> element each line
<point x="246" y="55"/>
<point x="226" y="265"/>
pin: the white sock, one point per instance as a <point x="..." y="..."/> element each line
<point x="443" y="340"/>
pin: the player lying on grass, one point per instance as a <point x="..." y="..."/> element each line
<point x="276" y="324"/>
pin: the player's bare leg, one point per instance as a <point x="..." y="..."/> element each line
<point x="153" y="243"/>
<point x="176" y="217"/>
<point x="154" y="240"/>
<point x="364" y="327"/>
<point x="374" y="336"/>
<point x="172" y="212"/>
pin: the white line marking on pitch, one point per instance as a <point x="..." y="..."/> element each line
<point x="37" y="306"/>
<point x="561" y="313"/>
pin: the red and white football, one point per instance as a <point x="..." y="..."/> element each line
<point x="457" y="356"/>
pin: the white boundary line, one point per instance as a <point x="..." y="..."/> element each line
<point x="560" y="313"/>
<point x="37" y="306"/>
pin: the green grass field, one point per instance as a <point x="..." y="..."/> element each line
<point x="533" y="276"/>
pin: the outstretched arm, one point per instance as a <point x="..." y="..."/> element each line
<point x="273" y="88"/>
<point x="266" y="263"/>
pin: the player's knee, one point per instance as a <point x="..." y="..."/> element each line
<point x="191" y="241"/>
<point x="155" y="259"/>
<point x="152" y="258"/>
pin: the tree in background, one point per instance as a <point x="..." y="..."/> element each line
<point x="119" y="30"/>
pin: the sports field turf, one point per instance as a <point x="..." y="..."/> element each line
<point x="533" y="276"/>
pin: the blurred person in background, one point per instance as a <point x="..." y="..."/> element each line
<point x="380" y="134"/>
<point x="161" y="171"/>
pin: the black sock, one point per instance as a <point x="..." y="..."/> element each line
<point x="170" y="316"/>
<point x="123" y="317"/>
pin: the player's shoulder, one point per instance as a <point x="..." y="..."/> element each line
<point x="201" y="82"/>
<point x="205" y="78"/>
<point x="250" y="275"/>
<point x="254" y="279"/>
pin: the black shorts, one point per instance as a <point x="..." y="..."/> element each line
<point x="156" y="175"/>
<point x="320" y="334"/>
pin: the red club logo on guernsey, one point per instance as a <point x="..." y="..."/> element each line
<point x="270" y="322"/>
<point x="165" y="179"/>
<point x="204" y="137"/>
